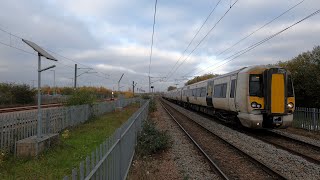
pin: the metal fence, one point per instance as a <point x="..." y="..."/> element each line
<point x="15" y="126"/>
<point x="307" y="118"/>
<point x="112" y="159"/>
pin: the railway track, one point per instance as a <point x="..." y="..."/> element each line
<point x="226" y="159"/>
<point x="24" y="108"/>
<point x="308" y="151"/>
<point x="300" y="148"/>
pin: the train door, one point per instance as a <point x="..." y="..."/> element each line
<point x="232" y="93"/>
<point x="209" y="93"/>
<point x="188" y="94"/>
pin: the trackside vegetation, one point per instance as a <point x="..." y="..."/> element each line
<point x="75" y="144"/>
<point x="13" y="94"/>
<point x="151" y="140"/>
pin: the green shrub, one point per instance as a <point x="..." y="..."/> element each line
<point x="145" y="96"/>
<point x="151" y="140"/>
<point x="152" y="106"/>
<point x="11" y="93"/>
<point x="81" y="96"/>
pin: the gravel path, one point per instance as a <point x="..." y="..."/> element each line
<point x="291" y="166"/>
<point x="189" y="161"/>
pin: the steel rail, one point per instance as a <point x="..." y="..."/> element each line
<point x="265" y="168"/>
<point x="291" y="150"/>
<point x="216" y="167"/>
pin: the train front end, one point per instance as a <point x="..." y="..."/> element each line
<point x="270" y="98"/>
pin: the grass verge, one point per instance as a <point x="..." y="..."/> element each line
<point x="74" y="146"/>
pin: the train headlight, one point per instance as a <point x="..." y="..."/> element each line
<point x="290" y="105"/>
<point x="254" y="105"/>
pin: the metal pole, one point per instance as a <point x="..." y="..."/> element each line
<point x="54" y="82"/>
<point x="133" y="88"/>
<point x="75" y="76"/>
<point x="39" y="97"/>
<point x="149" y="85"/>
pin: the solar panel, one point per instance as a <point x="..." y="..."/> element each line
<point x="39" y="50"/>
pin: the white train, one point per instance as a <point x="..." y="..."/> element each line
<point x="257" y="96"/>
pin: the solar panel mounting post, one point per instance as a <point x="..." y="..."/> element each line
<point x="39" y="124"/>
<point x="45" y="54"/>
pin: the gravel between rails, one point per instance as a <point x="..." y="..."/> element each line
<point x="291" y="166"/>
<point x="298" y="137"/>
<point x="221" y="152"/>
<point x="190" y="162"/>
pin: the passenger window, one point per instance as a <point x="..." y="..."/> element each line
<point x="224" y="90"/>
<point x="217" y="91"/>
<point x="232" y="91"/>
<point x="220" y="90"/>
<point x="203" y="92"/>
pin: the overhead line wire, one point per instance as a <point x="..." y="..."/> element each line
<point x="154" y="22"/>
<point x="14" y="35"/>
<point x="261" y="27"/>
<point x="244" y="38"/>
<point x="194" y="37"/>
<point x="239" y="53"/>
<point x="203" y="38"/>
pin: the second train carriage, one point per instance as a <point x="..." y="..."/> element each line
<point x="259" y="96"/>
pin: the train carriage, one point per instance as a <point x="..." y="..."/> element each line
<point x="259" y="96"/>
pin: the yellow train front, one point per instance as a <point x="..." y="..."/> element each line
<point x="258" y="96"/>
<point x="269" y="96"/>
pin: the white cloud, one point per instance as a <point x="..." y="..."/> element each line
<point x="115" y="36"/>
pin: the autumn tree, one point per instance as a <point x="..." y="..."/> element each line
<point x="201" y="78"/>
<point x="305" y="71"/>
<point x="171" y="88"/>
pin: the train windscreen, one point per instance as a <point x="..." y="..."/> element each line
<point x="290" y="87"/>
<point x="256" y="85"/>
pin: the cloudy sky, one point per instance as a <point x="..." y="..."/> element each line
<point x="114" y="37"/>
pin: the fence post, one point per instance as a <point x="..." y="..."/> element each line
<point x="120" y="154"/>
<point x="47" y="121"/>
<point x="314" y="118"/>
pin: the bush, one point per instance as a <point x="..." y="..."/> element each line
<point x="152" y="106"/>
<point x="145" y="96"/>
<point x="11" y="93"/>
<point x="81" y="96"/>
<point x="151" y="140"/>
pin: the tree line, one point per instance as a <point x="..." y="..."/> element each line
<point x="305" y="72"/>
<point x="12" y="94"/>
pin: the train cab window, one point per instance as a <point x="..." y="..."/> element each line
<point x="233" y="87"/>
<point x="290" y="87"/>
<point x="256" y="85"/>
